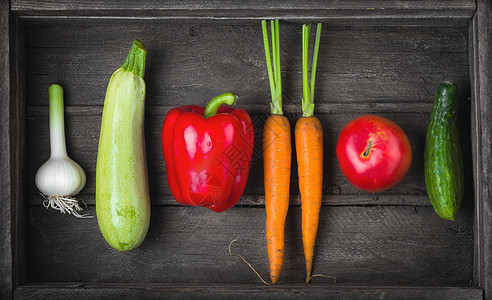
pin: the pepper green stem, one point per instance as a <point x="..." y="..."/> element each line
<point x="214" y="104"/>
<point x="135" y="61"/>
<point x="57" y="122"/>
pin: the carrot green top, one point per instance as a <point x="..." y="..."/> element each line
<point x="274" y="75"/>
<point x="308" y="91"/>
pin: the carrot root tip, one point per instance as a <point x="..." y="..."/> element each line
<point x="321" y="275"/>
<point x="237" y="254"/>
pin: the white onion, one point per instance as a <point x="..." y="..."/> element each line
<point x="60" y="178"/>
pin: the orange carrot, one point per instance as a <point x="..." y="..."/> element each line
<point x="309" y="149"/>
<point x="277" y="153"/>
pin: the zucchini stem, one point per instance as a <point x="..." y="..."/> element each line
<point x="135" y="61"/>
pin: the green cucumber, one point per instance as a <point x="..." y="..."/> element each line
<point x="443" y="161"/>
<point x="122" y="189"/>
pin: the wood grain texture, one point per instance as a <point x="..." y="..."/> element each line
<point x="12" y="164"/>
<point x="481" y="70"/>
<point x="6" y="259"/>
<point x="376" y="245"/>
<point x="176" y="291"/>
<point x="83" y="125"/>
<point x="192" y="63"/>
<point x="359" y="245"/>
<point x="365" y="238"/>
<point x="360" y="70"/>
<point x="18" y="138"/>
<point x="295" y="200"/>
<point x="337" y="11"/>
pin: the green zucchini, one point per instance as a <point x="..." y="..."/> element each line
<point x="443" y="161"/>
<point x="122" y="189"/>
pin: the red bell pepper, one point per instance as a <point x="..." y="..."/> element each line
<point x="208" y="153"/>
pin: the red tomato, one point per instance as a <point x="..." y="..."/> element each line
<point x="374" y="153"/>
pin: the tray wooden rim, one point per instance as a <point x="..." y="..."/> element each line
<point x="14" y="14"/>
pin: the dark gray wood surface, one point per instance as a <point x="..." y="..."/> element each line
<point x="360" y="245"/>
<point x="481" y="71"/>
<point x="378" y="11"/>
<point x="357" y="75"/>
<point x="85" y="132"/>
<point x="6" y="276"/>
<point x="380" y="57"/>
<point x="391" y="71"/>
<point x="191" y="63"/>
<point x="175" y="291"/>
<point x="13" y="154"/>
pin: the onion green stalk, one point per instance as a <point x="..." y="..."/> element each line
<point x="60" y="178"/>
<point x="122" y="189"/>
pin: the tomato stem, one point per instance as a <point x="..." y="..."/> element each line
<point x="368" y="149"/>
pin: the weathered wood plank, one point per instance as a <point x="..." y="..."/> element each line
<point x="12" y="149"/>
<point x="44" y="5"/>
<point x="365" y="80"/>
<point x="6" y="259"/>
<point x="19" y="154"/>
<point x="239" y="10"/>
<point x="192" y="63"/>
<point x="82" y="129"/>
<point x="481" y="72"/>
<point x="391" y="71"/>
<point x="359" y="245"/>
<point x="295" y="200"/>
<point x="177" y="291"/>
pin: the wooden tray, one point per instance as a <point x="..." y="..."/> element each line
<point x="379" y="57"/>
